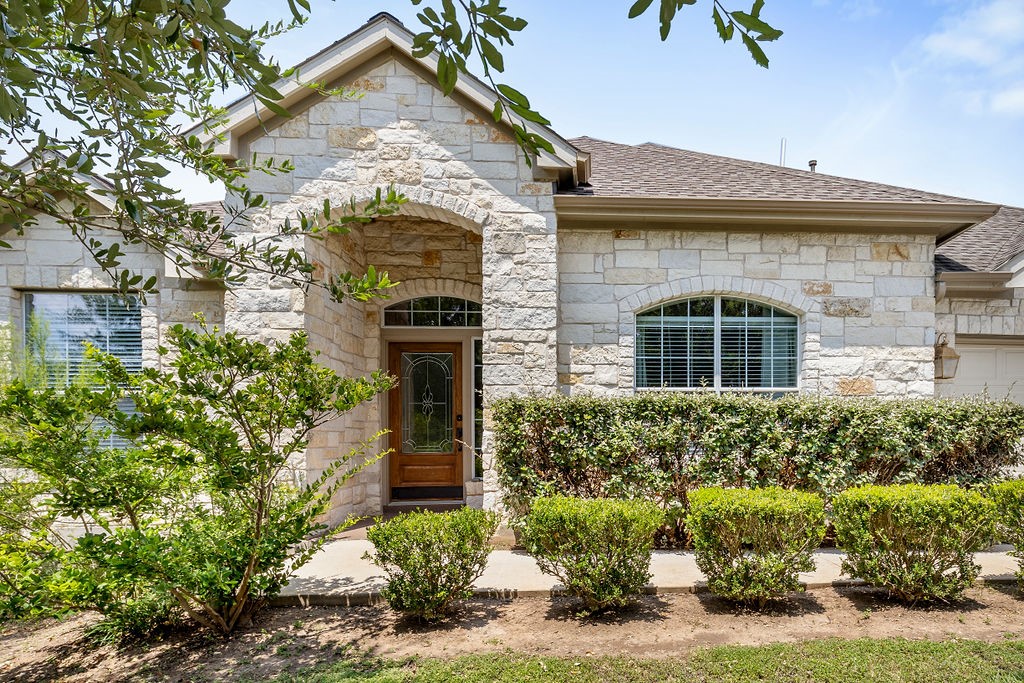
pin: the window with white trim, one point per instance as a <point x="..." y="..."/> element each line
<point x="110" y="322"/>
<point x="717" y="342"/>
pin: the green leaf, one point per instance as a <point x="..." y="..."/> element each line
<point x="513" y="95"/>
<point x="720" y="26"/>
<point x="447" y="73"/>
<point x="639" y="7"/>
<point x="529" y="114"/>
<point x="751" y="23"/>
<point x="491" y="54"/>
<point x="132" y="210"/>
<point x="755" y="51"/>
<point x="274" y="106"/>
<point x="511" y="23"/>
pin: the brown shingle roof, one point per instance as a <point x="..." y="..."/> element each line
<point x="213" y="208"/>
<point x="985" y="246"/>
<point x="651" y="170"/>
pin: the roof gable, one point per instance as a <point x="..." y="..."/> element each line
<point x="380" y="34"/>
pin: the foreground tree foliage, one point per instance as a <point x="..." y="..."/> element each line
<point x="199" y="508"/>
<point x="109" y="90"/>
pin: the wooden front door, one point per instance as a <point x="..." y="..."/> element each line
<point x="425" y="419"/>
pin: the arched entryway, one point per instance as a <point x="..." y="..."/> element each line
<point x="434" y="414"/>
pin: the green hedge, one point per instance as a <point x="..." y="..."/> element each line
<point x="599" y="549"/>
<point x="661" y="445"/>
<point x="916" y="541"/>
<point x="1008" y="497"/>
<point x="752" y="544"/>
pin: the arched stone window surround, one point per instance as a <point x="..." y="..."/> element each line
<point x="806" y="309"/>
<point x="416" y="288"/>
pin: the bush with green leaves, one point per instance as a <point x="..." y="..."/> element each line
<point x="432" y="559"/>
<point x="204" y="512"/>
<point x="660" y="445"/>
<point x="916" y="541"/>
<point x="600" y="549"/>
<point x="751" y="544"/>
<point x="1008" y="497"/>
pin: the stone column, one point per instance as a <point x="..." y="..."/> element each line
<point x="520" y="295"/>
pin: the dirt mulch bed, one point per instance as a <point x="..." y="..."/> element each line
<point x="287" y="639"/>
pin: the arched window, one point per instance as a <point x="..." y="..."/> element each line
<point x="716" y="342"/>
<point x="433" y="311"/>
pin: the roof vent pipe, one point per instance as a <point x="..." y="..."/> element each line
<point x="813" y="163"/>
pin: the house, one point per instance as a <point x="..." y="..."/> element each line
<point x="600" y="268"/>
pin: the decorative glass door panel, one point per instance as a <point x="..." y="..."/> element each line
<point x="426" y="382"/>
<point x="425" y="419"/>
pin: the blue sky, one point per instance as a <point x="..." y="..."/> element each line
<point x="920" y="93"/>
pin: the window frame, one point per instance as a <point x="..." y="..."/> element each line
<point x="717" y="341"/>
<point x="28" y="305"/>
<point x="473" y="308"/>
<point x="113" y="441"/>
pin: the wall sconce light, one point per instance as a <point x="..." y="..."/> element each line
<point x="946" y="359"/>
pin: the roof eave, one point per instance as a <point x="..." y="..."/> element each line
<point x="973" y="284"/>
<point x="937" y="219"/>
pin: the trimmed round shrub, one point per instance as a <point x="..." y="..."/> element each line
<point x="1008" y="497"/>
<point x="751" y="544"/>
<point x="916" y="541"/>
<point x="600" y="549"/>
<point x="432" y="559"/>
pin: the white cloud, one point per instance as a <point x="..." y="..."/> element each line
<point x="978" y="48"/>
<point x="1009" y="101"/>
<point x="983" y="35"/>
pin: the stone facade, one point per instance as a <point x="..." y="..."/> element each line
<point x="866" y="303"/>
<point x="477" y="215"/>
<point x="992" y="318"/>
<point x="980" y="316"/>
<point x="49" y="258"/>
<point x="559" y="306"/>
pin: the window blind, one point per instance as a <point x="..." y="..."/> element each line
<point x="59" y="325"/>
<point x="716" y="343"/>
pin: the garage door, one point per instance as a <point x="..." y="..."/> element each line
<point x="997" y="367"/>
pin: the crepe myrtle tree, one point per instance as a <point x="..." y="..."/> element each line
<point x="105" y="89"/>
<point x="200" y="507"/>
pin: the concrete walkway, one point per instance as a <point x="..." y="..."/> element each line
<point x="339" y="575"/>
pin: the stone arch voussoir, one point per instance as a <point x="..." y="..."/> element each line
<point x="412" y="289"/>
<point x="423" y="203"/>
<point x="760" y="290"/>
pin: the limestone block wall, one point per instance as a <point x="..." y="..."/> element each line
<point x="954" y="315"/>
<point x="866" y="302"/>
<point x="455" y="167"/>
<point x="417" y="248"/>
<point x="48" y="257"/>
<point x="980" y="316"/>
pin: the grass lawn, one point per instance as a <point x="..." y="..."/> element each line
<point x="841" y="661"/>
